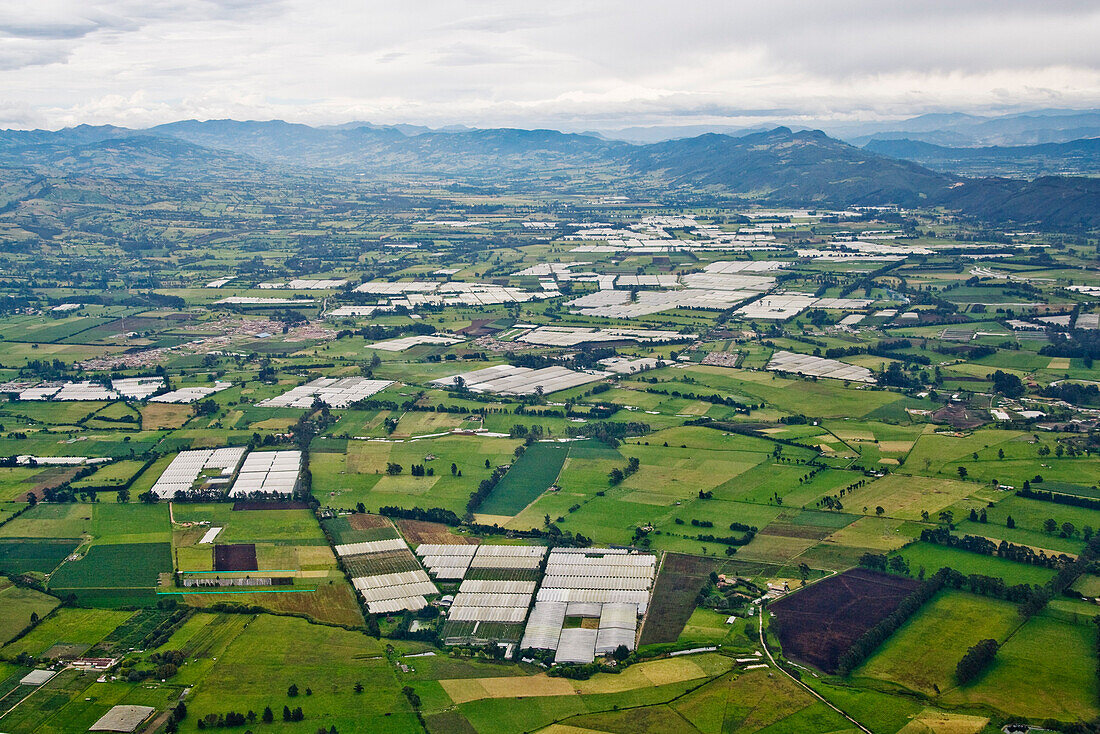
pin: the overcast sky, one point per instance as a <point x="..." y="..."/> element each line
<point x="555" y="63"/>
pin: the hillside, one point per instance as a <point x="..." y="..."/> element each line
<point x="778" y="166"/>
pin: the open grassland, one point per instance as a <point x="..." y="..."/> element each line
<point x="748" y="702"/>
<point x="360" y="473"/>
<point x="932" y="558"/>
<point x="34" y="555"/>
<point x="922" y="655"/>
<point x="1046" y="669"/>
<point x="17" y="604"/>
<point x="258" y="665"/>
<point x="68" y="626"/>
<point x="905" y="497"/>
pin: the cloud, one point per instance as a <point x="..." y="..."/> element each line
<point x="571" y="64"/>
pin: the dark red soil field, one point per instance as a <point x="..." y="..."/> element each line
<point x="816" y="625"/>
<point x="418" y="531"/>
<point x="361" y="521"/>
<point x="263" y="505"/>
<point x="239" y="557"/>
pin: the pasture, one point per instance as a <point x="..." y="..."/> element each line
<point x="530" y="476"/>
<point x="921" y="656"/>
<point x="16" y="606"/>
<point x="932" y="558"/>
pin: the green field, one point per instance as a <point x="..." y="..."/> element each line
<point x="16" y="606"/>
<point x="933" y="557"/>
<point x="531" y="475"/>
<point x="921" y="656"/>
<point x="23" y="555"/>
<point x="68" y="626"/>
<point x="116" y="566"/>
<point x="1026" y="678"/>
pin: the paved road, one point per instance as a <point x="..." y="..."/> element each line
<point x="809" y="690"/>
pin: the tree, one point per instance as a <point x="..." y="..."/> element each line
<point x="1007" y="384"/>
<point x="1009" y="522"/>
<point x="292" y="691"/>
<point x="286" y="714"/>
<point x="1050" y="524"/>
<point x="1000" y="453"/>
<point x="962" y="472"/>
<point x="976" y="660"/>
<point x="879" y="511"/>
<point x="393" y="469"/>
<point x="123" y="495"/>
<point x="358" y="687"/>
<point x="454" y="469"/>
<point x="268" y="715"/>
<point x="32" y="499"/>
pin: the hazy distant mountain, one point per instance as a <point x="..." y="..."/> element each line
<point x="661" y="133"/>
<point x="386" y="149"/>
<point x="126" y="156"/>
<point x="778" y="166"/>
<point x="1075" y="158"/>
<point x="957" y="130"/>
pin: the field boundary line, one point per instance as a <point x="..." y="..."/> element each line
<point x="648" y="607"/>
<point x="809" y="690"/>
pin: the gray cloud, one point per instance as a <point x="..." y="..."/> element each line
<point x="571" y="63"/>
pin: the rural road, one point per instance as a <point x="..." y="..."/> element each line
<point x="809" y="690"/>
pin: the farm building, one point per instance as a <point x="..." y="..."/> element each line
<point x="386" y="591"/>
<point x="333" y="392"/>
<point x="268" y="472"/>
<point x="188" y="466"/>
<point x="123" y="719"/>
<point x="608" y="584"/>
<point x="506" y="379"/>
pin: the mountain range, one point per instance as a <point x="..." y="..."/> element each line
<point x="777" y="166"/>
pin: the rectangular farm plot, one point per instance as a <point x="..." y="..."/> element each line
<point x="932" y="558"/>
<point x="906" y="496"/>
<point x="819" y="623"/>
<point x="25" y="555"/>
<point x="358" y="528"/>
<point x="387" y="575"/>
<point x="1047" y="668"/>
<point x="955" y="620"/>
<point x="494" y="605"/>
<point x="531" y="475"/>
<point x="119" y="566"/>
<point x="235" y="557"/>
